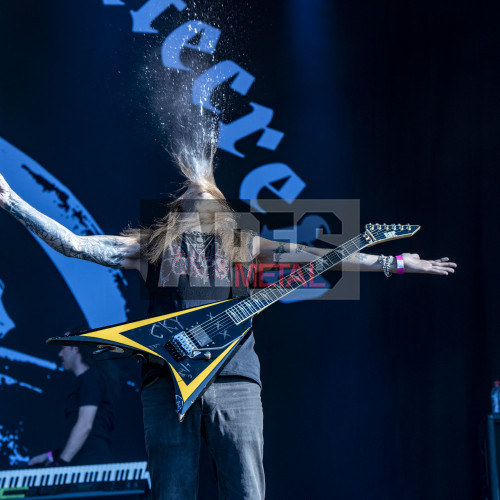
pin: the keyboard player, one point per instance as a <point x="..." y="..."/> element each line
<point x="88" y="410"/>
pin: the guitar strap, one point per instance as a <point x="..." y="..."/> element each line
<point x="240" y="290"/>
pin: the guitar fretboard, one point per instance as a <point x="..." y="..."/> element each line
<point x="297" y="278"/>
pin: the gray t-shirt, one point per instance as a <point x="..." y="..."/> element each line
<point x="191" y="273"/>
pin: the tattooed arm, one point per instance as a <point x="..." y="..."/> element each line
<point x="111" y="251"/>
<point x="275" y="252"/>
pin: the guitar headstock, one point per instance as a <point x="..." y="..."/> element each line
<point x="375" y="233"/>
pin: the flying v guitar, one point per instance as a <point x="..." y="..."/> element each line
<point x="196" y="343"/>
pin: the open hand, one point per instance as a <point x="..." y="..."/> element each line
<point x="414" y="264"/>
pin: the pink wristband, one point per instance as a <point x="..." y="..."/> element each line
<point x="400" y="263"/>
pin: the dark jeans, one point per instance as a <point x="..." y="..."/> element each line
<point x="228" y="416"/>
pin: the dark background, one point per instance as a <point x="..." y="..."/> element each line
<point x="392" y="103"/>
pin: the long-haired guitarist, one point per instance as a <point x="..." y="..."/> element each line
<point x="187" y="258"/>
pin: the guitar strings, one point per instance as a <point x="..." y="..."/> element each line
<point x="207" y="326"/>
<point x="221" y="320"/>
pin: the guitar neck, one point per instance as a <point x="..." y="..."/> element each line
<point x="247" y="308"/>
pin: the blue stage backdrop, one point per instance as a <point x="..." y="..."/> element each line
<point x="389" y="104"/>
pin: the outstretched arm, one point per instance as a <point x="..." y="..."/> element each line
<point x="275" y="252"/>
<point x="111" y="251"/>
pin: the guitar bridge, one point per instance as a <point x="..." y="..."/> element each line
<point x="182" y="346"/>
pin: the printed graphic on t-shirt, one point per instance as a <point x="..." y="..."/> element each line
<point x="199" y="257"/>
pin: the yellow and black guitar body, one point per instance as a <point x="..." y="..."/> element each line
<point x="194" y="343"/>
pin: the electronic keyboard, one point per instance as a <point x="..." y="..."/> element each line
<point x="75" y="481"/>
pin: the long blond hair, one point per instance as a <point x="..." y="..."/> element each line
<point x="198" y="171"/>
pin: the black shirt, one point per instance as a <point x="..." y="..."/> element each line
<point x="90" y="389"/>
